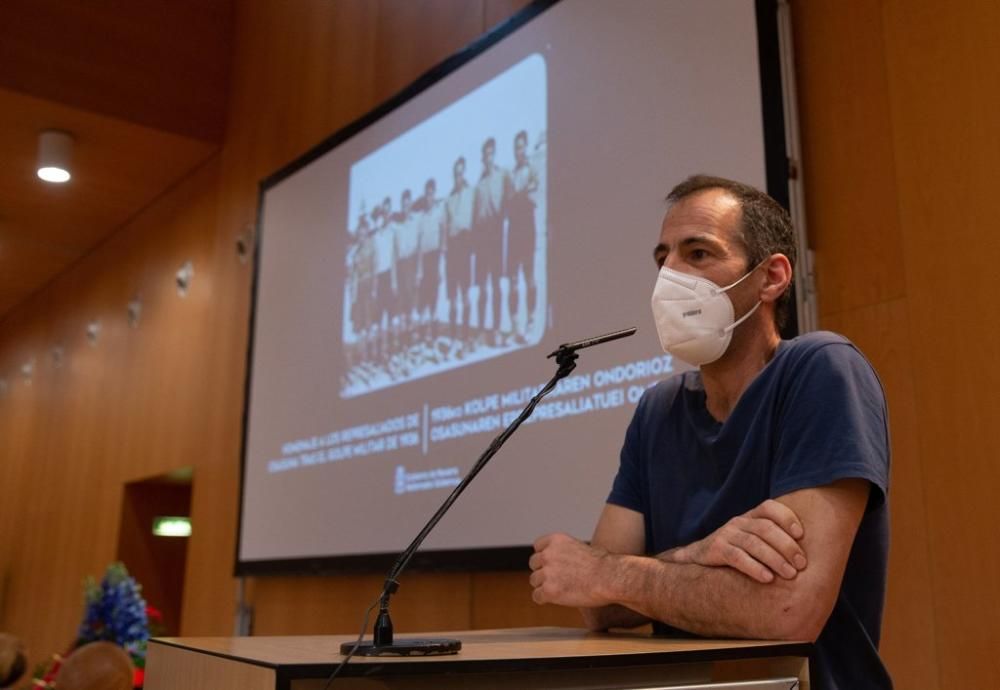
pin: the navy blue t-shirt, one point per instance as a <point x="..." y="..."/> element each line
<point x="815" y="414"/>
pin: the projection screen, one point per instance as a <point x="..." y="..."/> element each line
<point x="414" y="270"/>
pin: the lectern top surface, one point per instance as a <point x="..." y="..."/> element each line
<point x="486" y="646"/>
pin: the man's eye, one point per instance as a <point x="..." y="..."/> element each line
<point x="698" y="254"/>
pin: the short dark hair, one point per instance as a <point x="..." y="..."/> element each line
<point x="765" y="226"/>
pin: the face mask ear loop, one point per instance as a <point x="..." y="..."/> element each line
<point x="743" y="318"/>
<point x="744" y="277"/>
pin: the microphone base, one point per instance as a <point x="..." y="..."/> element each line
<point x="405" y="647"/>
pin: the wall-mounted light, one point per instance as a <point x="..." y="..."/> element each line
<point x="93" y="332"/>
<point x="28" y="370"/>
<point x="244" y="243"/>
<point x="243" y="247"/>
<point x="134" y="311"/>
<point x="184" y="277"/>
<point x="55" y="149"/>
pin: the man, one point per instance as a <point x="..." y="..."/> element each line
<point x="489" y="204"/>
<point x="430" y="228"/>
<point x="751" y="496"/>
<point x="384" y="269"/>
<point x="458" y="218"/>
<point x="362" y="277"/>
<point x="521" y="229"/>
<point x="404" y="227"/>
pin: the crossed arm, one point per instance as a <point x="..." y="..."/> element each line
<point x="751" y="578"/>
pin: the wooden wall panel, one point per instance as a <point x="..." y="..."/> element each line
<point x="503" y="600"/>
<point x="35" y="260"/>
<point x="497" y="11"/>
<point x="847" y="152"/>
<point x="416" y="35"/>
<point x="124" y="408"/>
<point x="944" y="67"/>
<point x="301" y="70"/>
<point x="322" y="605"/>
<point x="60" y="447"/>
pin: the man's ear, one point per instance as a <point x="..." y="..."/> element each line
<point x="777" y="277"/>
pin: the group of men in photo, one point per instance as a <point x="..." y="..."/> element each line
<point x="440" y="279"/>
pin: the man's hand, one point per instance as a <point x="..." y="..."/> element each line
<point x="761" y="543"/>
<point x="568" y="572"/>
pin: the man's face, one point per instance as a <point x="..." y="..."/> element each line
<point x="404" y="202"/>
<point x="700" y="236"/>
<point x="459" y="170"/>
<point x="489" y="150"/>
<point x="520" y="150"/>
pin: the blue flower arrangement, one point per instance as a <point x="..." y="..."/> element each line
<point x="115" y="611"/>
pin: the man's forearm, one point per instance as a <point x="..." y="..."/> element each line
<point x="727" y="584"/>
<point x="712" y="601"/>
<point x="612" y="616"/>
<point x="616" y="615"/>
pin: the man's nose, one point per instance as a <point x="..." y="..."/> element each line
<point x="673" y="262"/>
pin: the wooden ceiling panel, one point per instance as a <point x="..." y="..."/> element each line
<point x="159" y="63"/>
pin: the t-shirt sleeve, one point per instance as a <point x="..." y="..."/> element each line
<point x="833" y="424"/>
<point x="626" y="489"/>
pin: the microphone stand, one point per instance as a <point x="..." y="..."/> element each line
<point x="383" y="643"/>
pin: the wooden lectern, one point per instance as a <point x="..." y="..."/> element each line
<point x="516" y="658"/>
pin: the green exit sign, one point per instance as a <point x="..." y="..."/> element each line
<point x="167" y="526"/>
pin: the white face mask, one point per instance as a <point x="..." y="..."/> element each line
<point x="694" y="316"/>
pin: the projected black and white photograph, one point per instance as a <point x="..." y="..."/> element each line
<point x="447" y="238"/>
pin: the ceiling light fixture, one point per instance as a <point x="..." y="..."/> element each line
<point x="54" y="151"/>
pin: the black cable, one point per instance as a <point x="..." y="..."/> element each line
<point x="361" y="636"/>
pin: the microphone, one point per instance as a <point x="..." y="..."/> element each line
<point x="383" y="642"/>
<point x="567" y="348"/>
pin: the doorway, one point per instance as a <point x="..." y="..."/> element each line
<point x="157" y="562"/>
